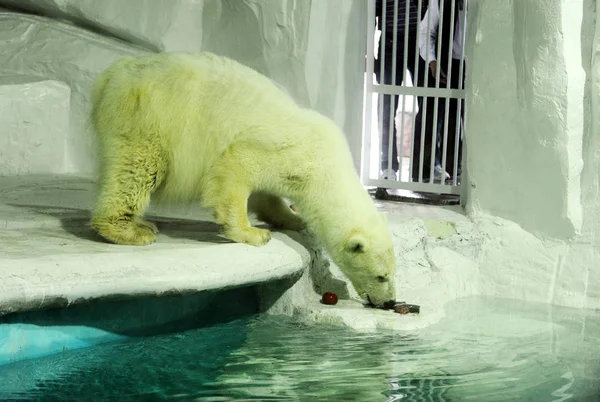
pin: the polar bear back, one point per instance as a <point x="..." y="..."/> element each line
<point x="190" y="107"/>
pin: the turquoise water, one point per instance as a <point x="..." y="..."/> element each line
<point x="485" y="350"/>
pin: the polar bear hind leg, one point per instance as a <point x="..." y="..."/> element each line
<point x="274" y="211"/>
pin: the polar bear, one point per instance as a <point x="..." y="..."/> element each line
<point x="201" y="128"/>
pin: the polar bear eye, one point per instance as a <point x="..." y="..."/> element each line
<point x="382" y="278"/>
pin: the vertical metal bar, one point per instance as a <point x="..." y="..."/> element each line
<point x="412" y="136"/>
<point x="405" y="66"/>
<point x="437" y="86"/>
<point x="457" y="131"/>
<point x="424" y="119"/>
<point x="392" y="117"/>
<point x="438" y="54"/>
<point x="368" y="90"/>
<point x="406" y="31"/>
<point x="401" y="143"/>
<point x="380" y="98"/>
<point x="382" y="39"/>
<point x="415" y="82"/>
<point x="448" y="85"/>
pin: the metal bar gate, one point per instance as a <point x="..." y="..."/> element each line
<point x="421" y="41"/>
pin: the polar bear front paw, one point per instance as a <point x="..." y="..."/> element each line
<point x="147" y="224"/>
<point x="252" y="236"/>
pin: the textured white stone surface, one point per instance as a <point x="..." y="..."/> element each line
<point x="158" y="25"/>
<point x="34" y="116"/>
<point x="48" y="256"/>
<point x="51" y="50"/>
<point x="534" y="159"/>
<point x="482" y="255"/>
<point x="312" y="49"/>
<point x="431" y="273"/>
<point x="525" y="156"/>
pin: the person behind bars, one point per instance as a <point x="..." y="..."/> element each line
<point x="406" y="25"/>
<point x="450" y="38"/>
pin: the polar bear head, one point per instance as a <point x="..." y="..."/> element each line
<point x="367" y="258"/>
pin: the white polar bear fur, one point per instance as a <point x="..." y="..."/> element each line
<point x="200" y="128"/>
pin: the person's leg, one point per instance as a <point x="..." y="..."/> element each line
<point x="460" y="138"/>
<point x="453" y="124"/>
<point x="417" y="69"/>
<point x="416" y="141"/>
<point x="427" y="114"/>
<point x="462" y="117"/>
<point x="438" y="143"/>
<point x="451" y="139"/>
<point x="424" y="117"/>
<point x="385" y="106"/>
<point x="388" y="127"/>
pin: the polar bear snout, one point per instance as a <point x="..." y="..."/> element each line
<point x="377" y="293"/>
<point x="389" y="304"/>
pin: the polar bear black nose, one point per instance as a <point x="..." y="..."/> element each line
<point x="389" y="304"/>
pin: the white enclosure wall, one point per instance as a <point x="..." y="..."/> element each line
<point x="526" y="95"/>
<point x="533" y="155"/>
<point x="312" y="48"/>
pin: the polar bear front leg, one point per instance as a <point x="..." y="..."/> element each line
<point x="227" y="196"/>
<point x="230" y="209"/>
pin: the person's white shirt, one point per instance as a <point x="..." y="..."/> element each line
<point x="428" y="38"/>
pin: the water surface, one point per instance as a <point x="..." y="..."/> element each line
<point x="485" y="350"/>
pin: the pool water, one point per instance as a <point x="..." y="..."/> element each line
<point x="484" y="350"/>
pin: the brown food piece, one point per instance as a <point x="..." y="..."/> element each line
<point x="329" y="298"/>
<point x="401" y="309"/>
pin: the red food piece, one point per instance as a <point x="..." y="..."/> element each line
<point x="329" y="298"/>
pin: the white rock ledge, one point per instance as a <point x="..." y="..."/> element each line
<point x="49" y="257"/>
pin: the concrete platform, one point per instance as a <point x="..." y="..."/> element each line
<point x="49" y="257"/>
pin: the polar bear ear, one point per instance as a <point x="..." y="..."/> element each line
<point x="356" y="243"/>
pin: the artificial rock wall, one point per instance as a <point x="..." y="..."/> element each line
<point x="533" y="139"/>
<point x="525" y="120"/>
<point x="312" y="48"/>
